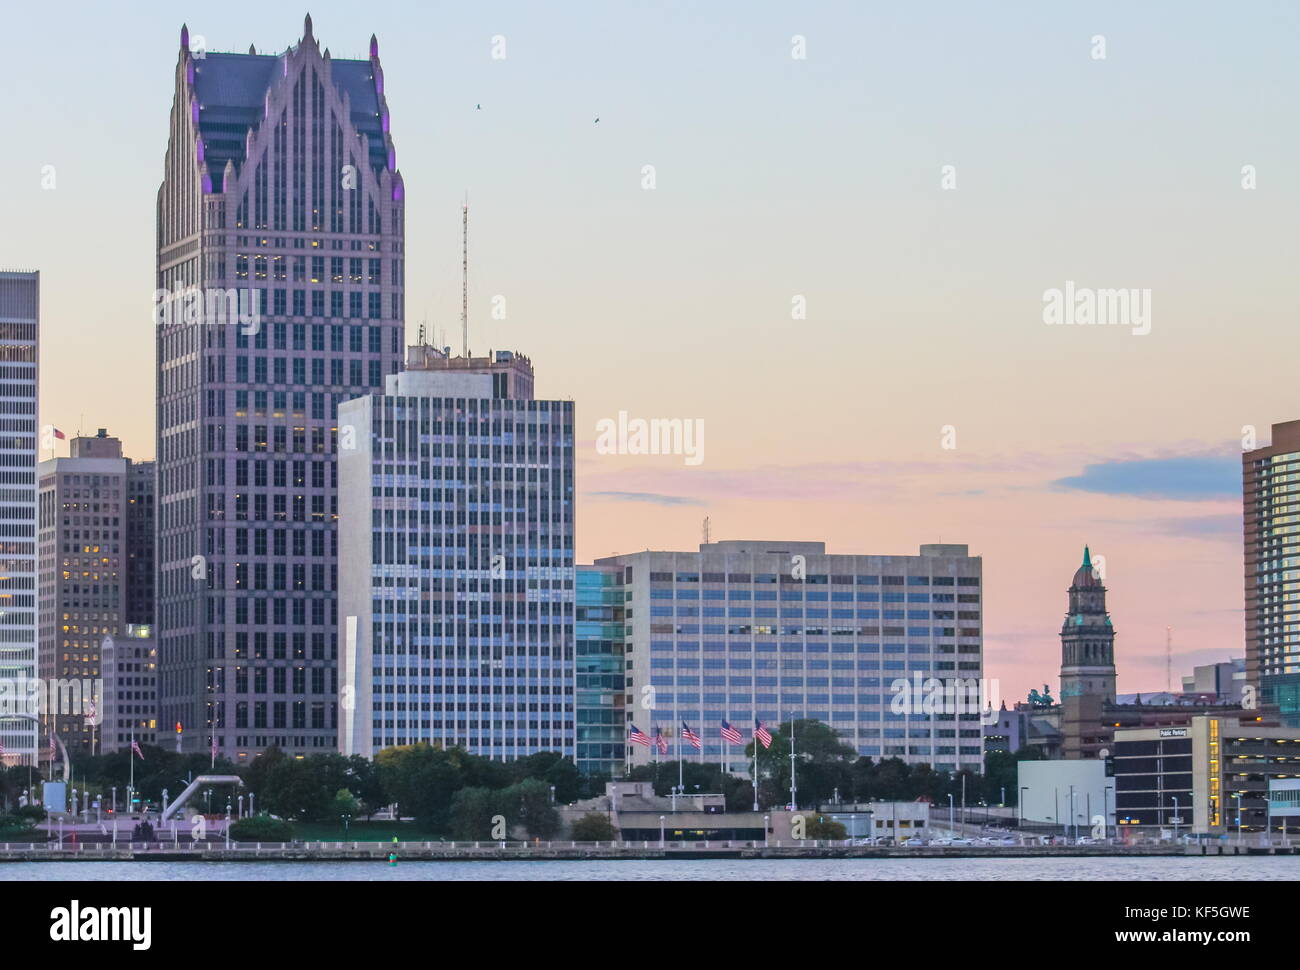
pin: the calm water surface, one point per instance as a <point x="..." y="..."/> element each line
<point x="1174" y="868"/>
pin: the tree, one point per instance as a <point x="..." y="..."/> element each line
<point x="529" y="804"/>
<point x="593" y="827"/>
<point x="473" y="813"/>
<point x="344" y="806"/>
<point x="823" y="763"/>
<point x="423" y="780"/>
<point x="821" y="827"/>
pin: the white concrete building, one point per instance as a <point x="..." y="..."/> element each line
<point x="746" y="631"/>
<point x="1048" y="789"/>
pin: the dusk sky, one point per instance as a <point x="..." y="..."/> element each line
<point x="779" y="178"/>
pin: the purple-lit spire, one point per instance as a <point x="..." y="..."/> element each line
<point x="185" y="37"/>
<point x="374" y="46"/>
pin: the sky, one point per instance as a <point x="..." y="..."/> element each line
<point x="917" y="181"/>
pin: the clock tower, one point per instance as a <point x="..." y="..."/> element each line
<point x="1087" y="664"/>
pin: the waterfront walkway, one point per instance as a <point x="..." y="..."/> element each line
<point x="539" y="851"/>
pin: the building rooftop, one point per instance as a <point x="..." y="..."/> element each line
<point x="231" y="90"/>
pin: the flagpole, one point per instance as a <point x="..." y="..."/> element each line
<point x="681" y="785"/>
<point x="130" y="788"/>
<point x="794" y="805"/>
<point x="755" y="770"/>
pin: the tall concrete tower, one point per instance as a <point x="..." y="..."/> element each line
<point x="1087" y="663"/>
<point x="281" y="184"/>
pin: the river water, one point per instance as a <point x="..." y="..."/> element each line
<point x="1138" y="869"/>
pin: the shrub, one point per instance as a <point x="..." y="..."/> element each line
<point x="261" y="828"/>
<point x="593" y="827"/>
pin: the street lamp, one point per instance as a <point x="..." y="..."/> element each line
<point x="661" y="831"/>
<point x="1175" y="819"/>
<point x="767" y="824"/>
<point x="1021" y="806"/>
<point x="951" y="811"/>
<point x="1237" y="796"/>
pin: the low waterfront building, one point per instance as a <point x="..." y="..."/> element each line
<point x="639" y="815"/>
<point x="1068" y="793"/>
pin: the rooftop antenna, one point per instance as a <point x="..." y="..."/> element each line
<point x="464" y="291"/>
<point x="706" y="530"/>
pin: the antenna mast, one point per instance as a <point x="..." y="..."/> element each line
<point x="464" y="292"/>
<point x="706" y="530"/>
<point x="1169" y="659"/>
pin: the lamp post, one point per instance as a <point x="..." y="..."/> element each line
<point x="767" y="823"/>
<point x="951" y="811"/>
<point x="1237" y="796"/>
<point x="1105" y="812"/>
<point x="661" y="831"/>
<point x="1175" y="819"/>
<point x="250" y="804"/>
<point x="1021" y="806"/>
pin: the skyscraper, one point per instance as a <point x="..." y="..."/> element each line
<point x="456" y="572"/>
<point x="141" y="495"/>
<point x="280" y="179"/>
<point x="20" y="299"/>
<point x="83" y="579"/>
<point x="1270" y="500"/>
<point x="1087" y="664"/>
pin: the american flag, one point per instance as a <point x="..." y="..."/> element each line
<point x="731" y="734"/>
<point x="661" y="742"/>
<point x="690" y="736"/>
<point x="91" y="713"/>
<point x="2" y="749"/>
<point x="51" y="747"/>
<point x="762" y="734"/>
<point x="637" y="736"/>
<point x="135" y="749"/>
<point x="214" y="746"/>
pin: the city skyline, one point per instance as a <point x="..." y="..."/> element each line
<point x="1064" y="437"/>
